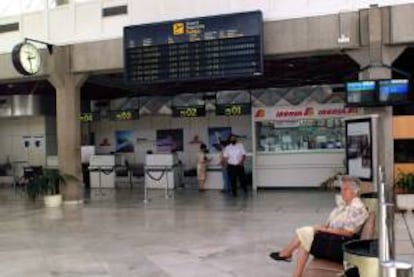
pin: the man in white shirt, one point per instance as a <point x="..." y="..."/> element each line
<point x="235" y="155"/>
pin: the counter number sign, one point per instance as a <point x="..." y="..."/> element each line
<point x="124" y="115"/>
<point x="192" y="111"/>
<point x="233" y="109"/>
<point x="87" y="117"/>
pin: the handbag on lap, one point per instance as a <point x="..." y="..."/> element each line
<point x="329" y="246"/>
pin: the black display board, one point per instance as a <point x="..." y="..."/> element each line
<point x="190" y="111"/>
<point x="361" y="93"/>
<point x="88" y="117"/>
<point x="223" y="46"/>
<point x="373" y="93"/>
<point x="122" y="115"/>
<point x="359" y="149"/>
<point x="394" y="92"/>
<point x="233" y="109"/>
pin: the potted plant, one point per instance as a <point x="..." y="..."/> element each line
<point x="47" y="184"/>
<point x="404" y="190"/>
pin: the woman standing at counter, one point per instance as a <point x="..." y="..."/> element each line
<point x="202" y="166"/>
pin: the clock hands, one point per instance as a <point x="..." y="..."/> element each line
<point x="29" y="58"/>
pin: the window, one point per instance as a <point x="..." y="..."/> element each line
<point x="13" y="7"/>
<point x="404" y="150"/>
<point x="32" y="5"/>
<point x="57" y="3"/>
<point x="8" y="8"/>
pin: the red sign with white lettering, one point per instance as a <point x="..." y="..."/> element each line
<point x="336" y="110"/>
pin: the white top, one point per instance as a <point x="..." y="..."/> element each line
<point x="234" y="153"/>
<point x="349" y="217"/>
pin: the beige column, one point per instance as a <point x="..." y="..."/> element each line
<point x="67" y="87"/>
<point x="375" y="60"/>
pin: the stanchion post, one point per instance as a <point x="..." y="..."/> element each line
<point x="145" y="188"/>
<point x="385" y="243"/>
<point x="166" y="181"/>
<point x="386" y="254"/>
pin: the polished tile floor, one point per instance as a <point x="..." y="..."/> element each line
<point x="116" y="234"/>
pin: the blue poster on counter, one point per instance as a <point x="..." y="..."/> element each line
<point x="170" y="140"/>
<point x="217" y="135"/>
<point x="124" y="141"/>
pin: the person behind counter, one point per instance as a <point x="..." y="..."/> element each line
<point x="235" y="155"/>
<point x="345" y="221"/>
<point x="202" y="166"/>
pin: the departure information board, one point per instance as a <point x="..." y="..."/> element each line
<point x="223" y="46"/>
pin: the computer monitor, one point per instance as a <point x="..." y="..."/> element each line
<point x="32" y="171"/>
<point x="393" y="92"/>
<point x="361" y="93"/>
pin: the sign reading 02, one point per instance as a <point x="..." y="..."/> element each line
<point x="233" y="109"/>
<point x="124" y="115"/>
<point x="191" y="111"/>
<point x="26" y="58"/>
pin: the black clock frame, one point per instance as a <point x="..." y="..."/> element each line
<point x="17" y="62"/>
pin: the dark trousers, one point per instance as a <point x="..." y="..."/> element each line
<point x="236" y="172"/>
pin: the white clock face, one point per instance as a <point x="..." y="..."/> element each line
<point x="29" y="58"/>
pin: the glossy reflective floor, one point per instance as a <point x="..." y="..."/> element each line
<point x="194" y="234"/>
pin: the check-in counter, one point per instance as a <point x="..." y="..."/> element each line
<point x="214" y="178"/>
<point x="161" y="171"/>
<point x="298" y="146"/>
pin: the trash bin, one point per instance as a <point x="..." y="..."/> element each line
<point x="396" y="269"/>
<point x="362" y="254"/>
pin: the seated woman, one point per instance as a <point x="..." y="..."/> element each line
<point x="345" y="220"/>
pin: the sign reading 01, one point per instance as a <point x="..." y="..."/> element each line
<point x="190" y="111"/>
<point x="88" y="117"/>
<point x="233" y="109"/>
<point x="124" y="115"/>
<point x="224" y="46"/>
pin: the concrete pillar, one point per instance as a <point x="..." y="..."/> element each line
<point x="67" y="87"/>
<point x="375" y="60"/>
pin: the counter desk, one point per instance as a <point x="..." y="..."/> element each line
<point x="214" y="178"/>
<point x="299" y="146"/>
<point x="306" y="168"/>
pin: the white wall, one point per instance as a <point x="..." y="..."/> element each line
<point x="15" y="130"/>
<point x="83" y="21"/>
<point x="144" y="131"/>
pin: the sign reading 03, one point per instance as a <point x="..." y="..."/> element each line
<point x="124" y="115"/>
<point x="191" y="111"/>
<point x="26" y="58"/>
